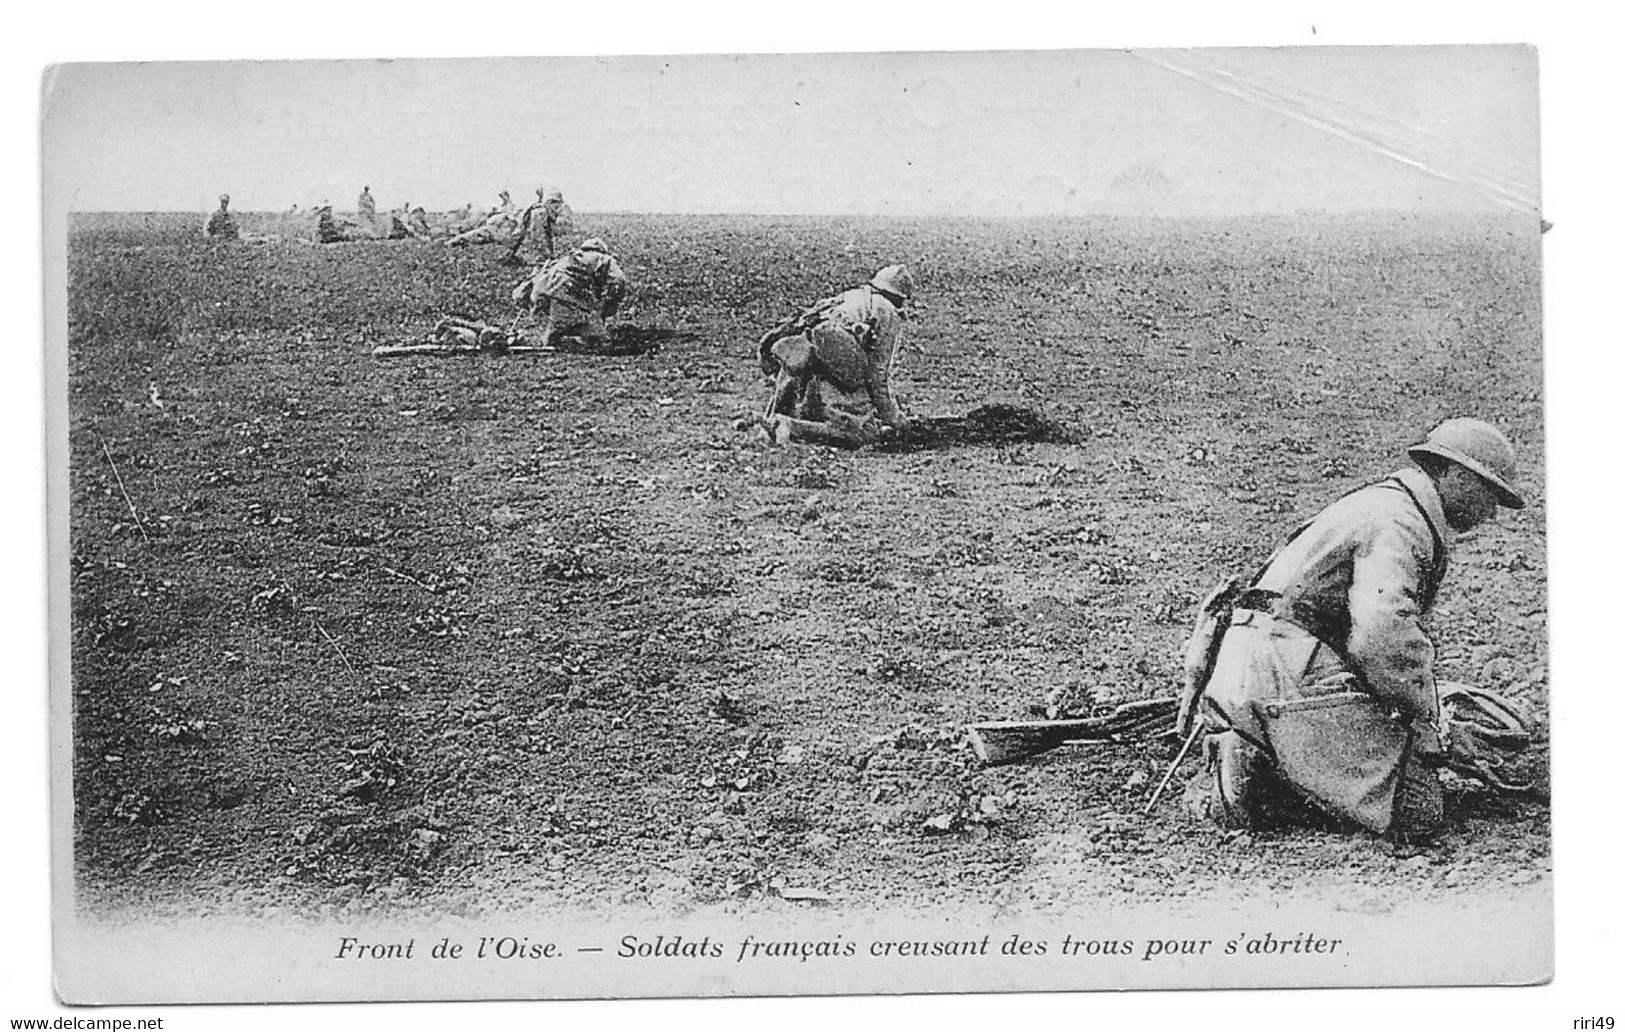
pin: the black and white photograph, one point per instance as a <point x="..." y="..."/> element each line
<point x="798" y="524"/>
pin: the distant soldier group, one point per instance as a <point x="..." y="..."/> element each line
<point x="575" y="292"/>
<point x="531" y="235"/>
<point x="829" y="367"/>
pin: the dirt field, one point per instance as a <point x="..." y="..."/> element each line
<point x="453" y="634"/>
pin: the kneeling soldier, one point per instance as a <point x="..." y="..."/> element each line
<point x="581" y="290"/>
<point x="831" y="365"/>
<point x="538" y="226"/>
<point x="1323" y="686"/>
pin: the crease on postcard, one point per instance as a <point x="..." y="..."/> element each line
<point x="1392" y="138"/>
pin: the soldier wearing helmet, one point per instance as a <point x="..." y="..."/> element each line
<point x="1322" y="691"/>
<point x="581" y="290"/>
<point x="222" y="225"/>
<point x="831" y="366"/>
<point x="497" y="227"/>
<point x="539" y="225"/>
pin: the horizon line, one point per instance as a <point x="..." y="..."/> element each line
<point x="1486" y="210"/>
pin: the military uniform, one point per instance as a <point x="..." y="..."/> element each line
<point x="581" y="290"/>
<point x="832" y="367"/>
<point x="497" y="228"/>
<point x="332" y="231"/>
<point x="1323" y="687"/>
<point x="458" y="221"/>
<point x="539" y="226"/>
<point x="407" y="224"/>
<point x="221" y="225"/>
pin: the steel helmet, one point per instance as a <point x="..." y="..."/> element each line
<point x="554" y="194"/>
<point x="594" y="244"/>
<point x="895" y="279"/>
<point x="1477" y="446"/>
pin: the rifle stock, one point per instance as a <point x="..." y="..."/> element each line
<point x="1011" y="741"/>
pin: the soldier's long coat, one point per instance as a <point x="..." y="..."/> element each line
<point x="1329" y="681"/>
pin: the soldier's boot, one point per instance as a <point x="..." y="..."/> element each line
<point x="1235" y="788"/>
<point x="783" y="399"/>
<point x="777" y="429"/>
<point x="1418" y="804"/>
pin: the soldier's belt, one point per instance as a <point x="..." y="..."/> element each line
<point x="1271" y="604"/>
<point x="1265" y="619"/>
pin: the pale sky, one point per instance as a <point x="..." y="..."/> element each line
<point x="997" y="133"/>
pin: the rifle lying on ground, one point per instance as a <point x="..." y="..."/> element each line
<point x="1010" y="741"/>
<point x="455" y="335"/>
<point x="438" y="348"/>
<point x="1485" y="733"/>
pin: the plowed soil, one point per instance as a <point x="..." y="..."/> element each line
<point x="452" y="633"/>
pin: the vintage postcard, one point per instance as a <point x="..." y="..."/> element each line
<point x="815" y="524"/>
